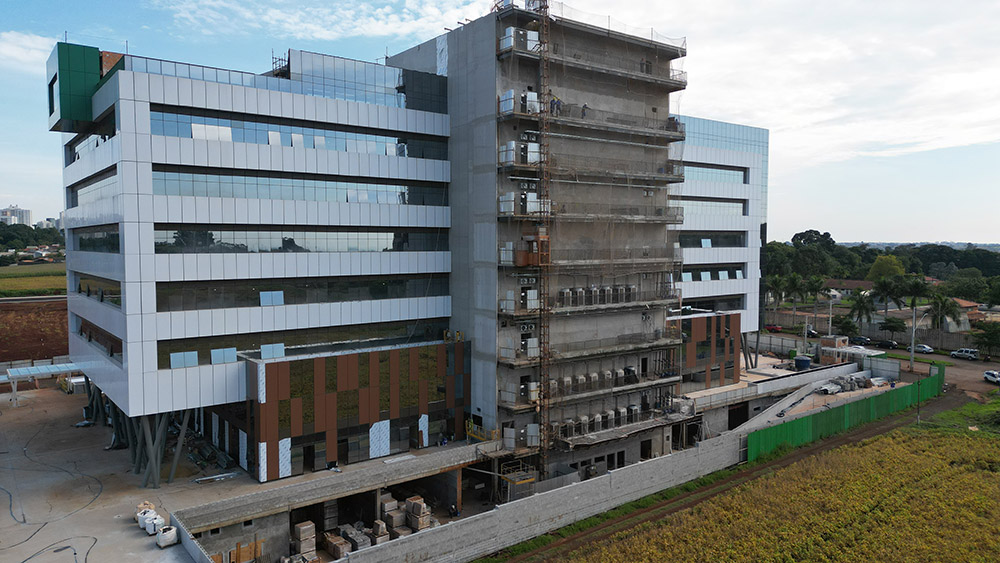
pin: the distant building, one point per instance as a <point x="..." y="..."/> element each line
<point x="47" y="223"/>
<point x="19" y="216"/>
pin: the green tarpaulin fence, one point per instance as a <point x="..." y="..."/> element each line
<point x="829" y="422"/>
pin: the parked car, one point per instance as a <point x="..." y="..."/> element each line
<point x="923" y="349"/>
<point x="772" y="328"/>
<point x="812" y="333"/>
<point x="861" y="340"/>
<point x="887" y="344"/>
<point x="992" y="376"/>
<point x="966" y="354"/>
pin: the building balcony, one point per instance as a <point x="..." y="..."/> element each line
<point x="632" y="68"/>
<point x="587" y="300"/>
<point x="527" y="156"/>
<point x="528" y="353"/>
<point x="593" y="212"/>
<point x="509" y="106"/>
<point x="585" y="387"/>
<point x="669" y="171"/>
<point x="527" y="206"/>
<point x="525" y="254"/>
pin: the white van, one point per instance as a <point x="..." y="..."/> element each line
<point x="966" y="354"/>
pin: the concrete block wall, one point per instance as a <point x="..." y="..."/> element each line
<point x="524" y="519"/>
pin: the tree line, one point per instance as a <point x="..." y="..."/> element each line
<point x="969" y="273"/>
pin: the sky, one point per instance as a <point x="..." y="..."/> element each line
<point x="883" y="116"/>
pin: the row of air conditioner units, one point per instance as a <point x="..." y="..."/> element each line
<point x="594" y="423"/>
<point x="606" y="379"/>
<point x="579" y="296"/>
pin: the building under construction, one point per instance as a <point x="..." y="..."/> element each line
<point x="334" y="262"/>
<point x="564" y="260"/>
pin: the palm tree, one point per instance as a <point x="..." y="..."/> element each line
<point x="887" y="289"/>
<point x="816" y="286"/>
<point x="862" y="307"/>
<point x="943" y="307"/>
<point x="913" y="287"/>
<point x="794" y="288"/>
<point x="776" y="287"/>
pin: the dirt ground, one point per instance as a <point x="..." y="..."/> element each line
<point x="33" y="331"/>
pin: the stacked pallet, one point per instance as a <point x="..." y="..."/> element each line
<point x="379" y="533"/>
<point x="335" y="545"/>
<point x="304" y="539"/>
<point x="418" y="514"/>
<point x="399" y="532"/>
<point x="357" y="538"/>
<point x="330" y="515"/>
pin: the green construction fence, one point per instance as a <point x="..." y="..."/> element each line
<point x="827" y="423"/>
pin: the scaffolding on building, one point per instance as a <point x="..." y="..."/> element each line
<point x="583" y="199"/>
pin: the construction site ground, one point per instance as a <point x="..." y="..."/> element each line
<point x="63" y="489"/>
<point x="47" y="337"/>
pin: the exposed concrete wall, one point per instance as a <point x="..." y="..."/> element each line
<point x="470" y="57"/>
<point x="524" y="519"/>
<point x="274" y="530"/>
<point x="715" y="421"/>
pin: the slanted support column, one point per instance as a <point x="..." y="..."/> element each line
<point x="180" y="445"/>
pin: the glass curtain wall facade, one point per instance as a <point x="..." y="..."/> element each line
<point x="724" y="196"/>
<point x="219" y="217"/>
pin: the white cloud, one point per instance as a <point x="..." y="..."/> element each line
<point x="321" y="20"/>
<point x="831" y="81"/>
<point x="24" y="52"/>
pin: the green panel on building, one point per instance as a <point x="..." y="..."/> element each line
<point x="72" y="73"/>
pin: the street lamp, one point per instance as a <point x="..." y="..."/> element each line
<point x="913" y="350"/>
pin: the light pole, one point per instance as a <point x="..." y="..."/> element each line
<point x="829" y="318"/>
<point x="913" y="336"/>
<point x="913" y="350"/>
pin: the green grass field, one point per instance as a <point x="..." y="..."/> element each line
<point x="26" y="281"/>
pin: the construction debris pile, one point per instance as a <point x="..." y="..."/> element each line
<point x="397" y="520"/>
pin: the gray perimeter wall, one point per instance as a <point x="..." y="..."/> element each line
<point x="524" y="519"/>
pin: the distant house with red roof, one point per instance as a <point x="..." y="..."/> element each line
<point x="846" y="288"/>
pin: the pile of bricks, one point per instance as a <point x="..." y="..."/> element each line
<point x="335" y="545"/>
<point x="379" y="533"/>
<point x="393" y="516"/>
<point x="357" y="538"/>
<point x="418" y="514"/>
<point x="304" y="540"/>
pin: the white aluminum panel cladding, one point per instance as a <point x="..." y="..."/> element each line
<point x="262" y="461"/>
<point x="423" y="424"/>
<point x="261" y="384"/>
<point x="284" y="457"/>
<point x="378" y="439"/>
<point x="243" y="450"/>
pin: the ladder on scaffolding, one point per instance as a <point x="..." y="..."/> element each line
<point x="544" y="240"/>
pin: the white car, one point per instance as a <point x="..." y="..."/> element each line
<point x="992" y="376"/>
<point x="923" y="349"/>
